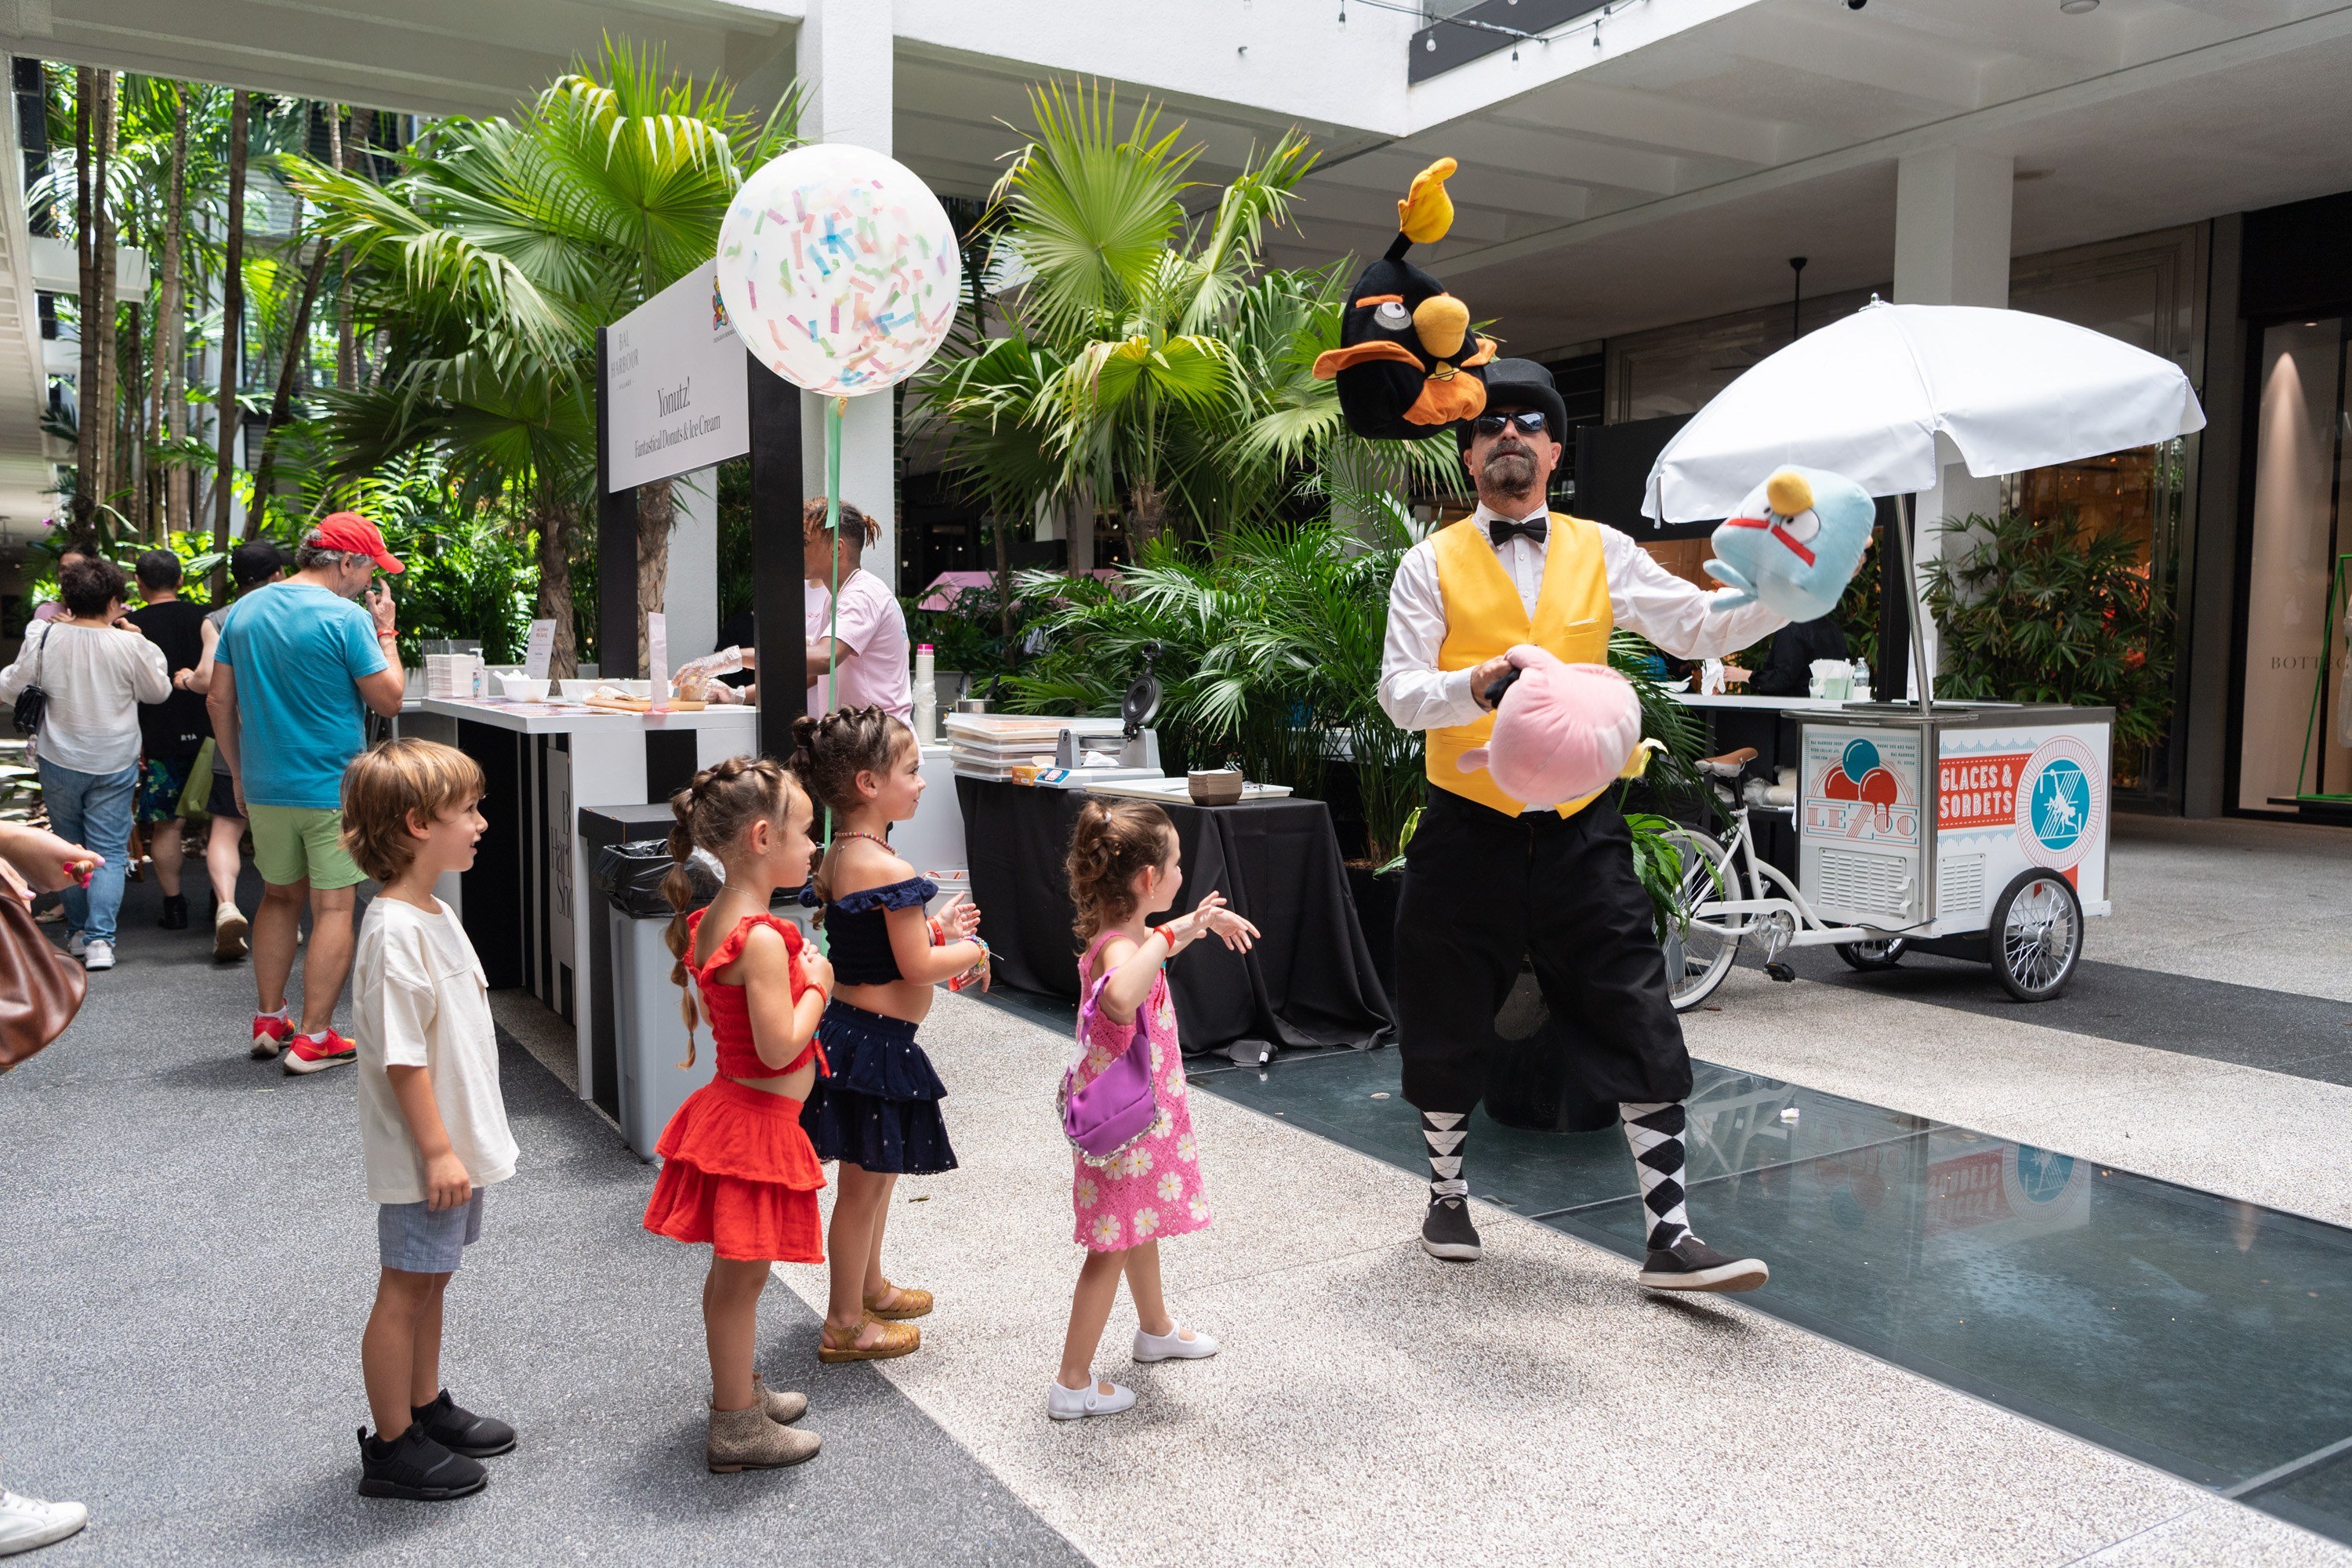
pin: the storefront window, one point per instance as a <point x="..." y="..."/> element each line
<point x="2294" y="738"/>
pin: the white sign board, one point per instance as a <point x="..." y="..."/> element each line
<point x="675" y="397"/>
<point x="539" y="650"/>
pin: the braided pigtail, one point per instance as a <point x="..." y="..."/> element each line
<point x="679" y="888"/>
<point x="711" y="813"/>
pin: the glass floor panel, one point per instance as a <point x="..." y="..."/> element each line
<point x="1351" y="1097"/>
<point x="2200" y="1334"/>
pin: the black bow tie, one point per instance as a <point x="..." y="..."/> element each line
<point x="1501" y="530"/>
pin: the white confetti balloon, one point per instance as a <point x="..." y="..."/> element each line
<point x="838" y="267"/>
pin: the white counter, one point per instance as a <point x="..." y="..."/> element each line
<point x="566" y="718"/>
<point x="1783" y="704"/>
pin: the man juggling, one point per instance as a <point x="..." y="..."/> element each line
<point x="1490" y="878"/>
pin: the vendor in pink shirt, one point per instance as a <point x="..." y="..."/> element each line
<point x="869" y="643"/>
<point x="869" y="640"/>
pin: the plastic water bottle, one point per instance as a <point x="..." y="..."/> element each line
<point x="1862" y="681"/>
<point x="927" y="695"/>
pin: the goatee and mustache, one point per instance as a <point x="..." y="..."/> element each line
<point x="1510" y="468"/>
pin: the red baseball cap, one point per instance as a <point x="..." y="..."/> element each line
<point x="350" y="531"/>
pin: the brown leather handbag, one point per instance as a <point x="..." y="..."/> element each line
<point x="40" y="987"/>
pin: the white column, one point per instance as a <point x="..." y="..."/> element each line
<point x="690" y="599"/>
<point x="845" y="59"/>
<point x="1951" y="248"/>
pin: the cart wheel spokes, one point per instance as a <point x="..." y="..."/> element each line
<point x="1883" y="952"/>
<point x="2037" y="936"/>
<point x="1700" y="950"/>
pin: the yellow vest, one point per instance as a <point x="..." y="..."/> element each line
<point x="1484" y="618"/>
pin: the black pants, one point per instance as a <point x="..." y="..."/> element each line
<point x="1481" y="890"/>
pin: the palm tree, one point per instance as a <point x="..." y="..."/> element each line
<point x="1144" y="353"/>
<point x="496" y="252"/>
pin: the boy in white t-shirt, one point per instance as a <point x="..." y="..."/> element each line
<point x="433" y="1127"/>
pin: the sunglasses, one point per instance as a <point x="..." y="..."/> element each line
<point x="1530" y="422"/>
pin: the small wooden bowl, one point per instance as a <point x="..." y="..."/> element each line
<point x="1217" y="786"/>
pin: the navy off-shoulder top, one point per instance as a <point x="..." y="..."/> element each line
<point x="857" y="936"/>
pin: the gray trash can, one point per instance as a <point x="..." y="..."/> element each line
<point x="650" y="1033"/>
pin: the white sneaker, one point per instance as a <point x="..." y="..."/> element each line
<point x="76" y="944"/>
<point x="27" y="1521"/>
<point x="1077" y="1404"/>
<point x="97" y="955"/>
<point x="1174" y="1346"/>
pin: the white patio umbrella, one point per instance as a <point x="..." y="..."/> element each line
<point x="1867" y="397"/>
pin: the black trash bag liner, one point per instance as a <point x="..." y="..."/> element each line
<point x="630" y="876"/>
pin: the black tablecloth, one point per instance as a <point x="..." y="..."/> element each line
<point x="1309" y="980"/>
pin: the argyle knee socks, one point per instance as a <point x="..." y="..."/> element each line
<point x="1444" y="1133"/>
<point x="1656" y="1134"/>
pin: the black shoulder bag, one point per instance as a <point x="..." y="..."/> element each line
<point x="32" y="702"/>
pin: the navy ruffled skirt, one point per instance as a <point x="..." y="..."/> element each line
<point x="880" y="1108"/>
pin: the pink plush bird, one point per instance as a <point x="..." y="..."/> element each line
<point x="1562" y="731"/>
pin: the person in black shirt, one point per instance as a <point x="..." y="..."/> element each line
<point x="170" y="732"/>
<point x="1788" y="668"/>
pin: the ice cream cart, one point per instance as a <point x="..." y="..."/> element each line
<point x="1973" y="830"/>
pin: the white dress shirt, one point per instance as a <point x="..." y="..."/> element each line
<point x="1643" y="597"/>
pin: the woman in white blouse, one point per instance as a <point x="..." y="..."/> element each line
<point x="96" y="675"/>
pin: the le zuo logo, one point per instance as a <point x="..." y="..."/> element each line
<point x="2062" y="802"/>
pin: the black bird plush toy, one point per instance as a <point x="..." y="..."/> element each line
<point x="1408" y="366"/>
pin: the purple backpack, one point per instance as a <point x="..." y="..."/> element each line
<point x="1106" y="1115"/>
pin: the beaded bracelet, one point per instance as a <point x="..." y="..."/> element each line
<point x="978" y="973"/>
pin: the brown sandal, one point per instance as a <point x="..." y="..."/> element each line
<point x="912" y="1303"/>
<point x="895" y="1340"/>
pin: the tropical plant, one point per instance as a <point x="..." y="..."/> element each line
<point x="492" y="257"/>
<point x="1144" y="356"/>
<point x="2053" y="611"/>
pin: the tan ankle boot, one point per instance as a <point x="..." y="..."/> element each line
<point x="782" y="1408"/>
<point x="746" y="1439"/>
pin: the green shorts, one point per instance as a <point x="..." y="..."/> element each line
<point x="295" y="844"/>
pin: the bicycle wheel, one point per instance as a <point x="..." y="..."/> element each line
<point x="1885" y="953"/>
<point x="2036" y="936"/>
<point x="1700" y="948"/>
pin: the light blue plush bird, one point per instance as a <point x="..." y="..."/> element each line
<point x="1793" y="543"/>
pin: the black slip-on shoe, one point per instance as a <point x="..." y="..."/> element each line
<point x="1692" y="1265"/>
<point x="175" y="912"/>
<point x="415" y="1468"/>
<point x="1447" y="1231"/>
<point x="461" y="1431"/>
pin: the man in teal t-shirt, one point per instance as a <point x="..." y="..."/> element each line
<point x="296" y="668"/>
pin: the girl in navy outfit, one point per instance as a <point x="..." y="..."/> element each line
<point x="878" y="1115"/>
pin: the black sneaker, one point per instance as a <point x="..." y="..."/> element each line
<point x="1447" y="1231"/>
<point x="412" y="1466"/>
<point x="1692" y="1265"/>
<point x="175" y="912"/>
<point x="461" y="1431"/>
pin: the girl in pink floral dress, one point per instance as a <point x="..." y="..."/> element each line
<point x="1124" y="868"/>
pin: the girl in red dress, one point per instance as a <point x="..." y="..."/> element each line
<point x="737" y="1171"/>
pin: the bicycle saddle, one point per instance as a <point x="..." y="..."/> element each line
<point x="1727" y="766"/>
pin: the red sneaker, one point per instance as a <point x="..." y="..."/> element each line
<point x="270" y="1031"/>
<point x="304" y="1053"/>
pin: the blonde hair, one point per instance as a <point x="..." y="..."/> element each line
<point x="1110" y="844"/>
<point x="712" y="813"/>
<point x="381" y="786"/>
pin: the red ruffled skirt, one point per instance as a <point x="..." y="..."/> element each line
<point x="738" y="1174"/>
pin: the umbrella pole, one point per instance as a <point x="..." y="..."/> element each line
<point x="1911" y="604"/>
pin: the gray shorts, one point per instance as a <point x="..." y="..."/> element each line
<point x="414" y="1239"/>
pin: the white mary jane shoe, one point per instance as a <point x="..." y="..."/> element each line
<point x="1077" y="1404"/>
<point x="1174" y="1346"/>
